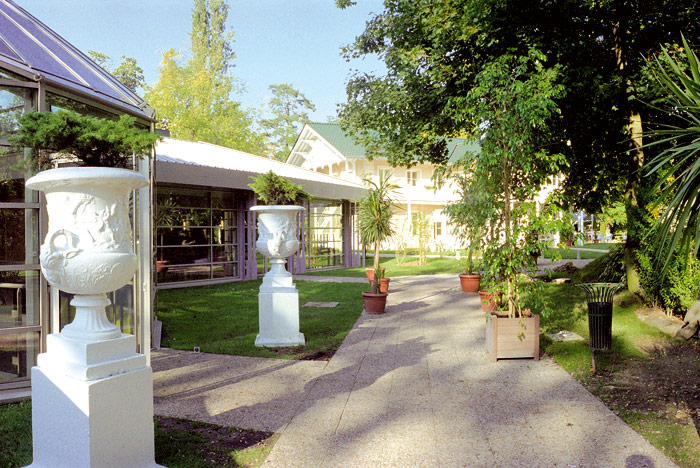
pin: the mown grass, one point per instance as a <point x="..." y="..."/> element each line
<point x="174" y="448"/>
<point x="572" y="253"/>
<point x="16" y="434"/>
<point x="223" y="318"/>
<point x="408" y="267"/>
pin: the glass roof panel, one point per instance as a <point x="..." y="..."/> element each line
<point x="6" y="50"/>
<point x="38" y="48"/>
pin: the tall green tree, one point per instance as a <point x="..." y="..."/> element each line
<point x="127" y="72"/>
<point x="514" y="99"/>
<point x="433" y="51"/>
<point x="193" y="98"/>
<point x="289" y="113"/>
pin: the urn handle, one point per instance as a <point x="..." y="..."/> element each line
<point x="68" y="249"/>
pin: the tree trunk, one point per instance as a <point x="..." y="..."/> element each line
<point x="635" y="163"/>
<point x="634" y="182"/>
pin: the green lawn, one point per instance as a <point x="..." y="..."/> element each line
<point x="408" y="267"/>
<point x="223" y="318"/>
<point x="571" y="253"/>
<point x="179" y="443"/>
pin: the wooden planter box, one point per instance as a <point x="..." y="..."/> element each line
<point x="513" y="337"/>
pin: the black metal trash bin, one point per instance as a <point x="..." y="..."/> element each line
<point x="599" y="297"/>
<point x="600" y="325"/>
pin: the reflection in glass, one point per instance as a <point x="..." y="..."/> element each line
<point x="197" y="228"/>
<point x="18" y="354"/>
<point x="120" y="312"/>
<point x="57" y="102"/>
<point x="225" y="269"/>
<point x="323" y="236"/>
<point x="18" y="298"/>
<point x="184" y="273"/>
<point x="14" y="102"/>
<point x="19" y="243"/>
<point x="184" y="255"/>
<point x="12" y="188"/>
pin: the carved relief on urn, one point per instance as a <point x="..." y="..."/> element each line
<point x="88" y="247"/>
<point x="277" y="230"/>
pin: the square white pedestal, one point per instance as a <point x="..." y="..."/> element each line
<point x="278" y="315"/>
<point x="83" y="422"/>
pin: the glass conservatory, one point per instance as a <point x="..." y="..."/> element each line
<point x="205" y="233"/>
<point x="40" y="71"/>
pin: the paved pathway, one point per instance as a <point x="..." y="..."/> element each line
<point x="410" y="388"/>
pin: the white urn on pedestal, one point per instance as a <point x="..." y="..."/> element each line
<point x="92" y="394"/>
<point x="278" y="299"/>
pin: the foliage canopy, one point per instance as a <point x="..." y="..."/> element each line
<point x="94" y="141"/>
<point x="272" y="189"/>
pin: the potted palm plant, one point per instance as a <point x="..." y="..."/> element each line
<point x="374" y="219"/>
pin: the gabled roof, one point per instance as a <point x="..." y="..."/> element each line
<point x="206" y="164"/>
<point x="31" y="49"/>
<point x="348" y="148"/>
<point x="335" y="135"/>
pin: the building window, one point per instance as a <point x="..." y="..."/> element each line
<point x="438" y="228"/>
<point x="385" y="173"/>
<point x="323" y="236"/>
<point x="412" y="178"/>
<point x="196" y="235"/>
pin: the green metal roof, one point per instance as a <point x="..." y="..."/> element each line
<point x="333" y="134"/>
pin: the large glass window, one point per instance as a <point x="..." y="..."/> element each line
<point x="323" y="234"/>
<point x="20" y="312"/>
<point x="14" y="102"/>
<point x="196" y="234"/>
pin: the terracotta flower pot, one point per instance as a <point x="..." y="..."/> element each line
<point x="374" y="303"/>
<point x="370" y="274"/>
<point x="469" y="283"/>
<point x="489" y="300"/>
<point x="383" y="284"/>
<point x="162" y="266"/>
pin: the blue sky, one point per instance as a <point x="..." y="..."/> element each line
<point x="276" y="41"/>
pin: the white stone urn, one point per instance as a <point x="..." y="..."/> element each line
<point x="92" y="393"/>
<point x="277" y="236"/>
<point x="88" y="250"/>
<point x="278" y="300"/>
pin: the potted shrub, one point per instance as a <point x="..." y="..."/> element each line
<point x="374" y="220"/>
<point x="278" y="299"/>
<point x="513" y="100"/>
<point x="89" y="231"/>
<point x="88" y="251"/>
<point x="469" y="279"/>
<point x="277" y="217"/>
<point x="469" y="216"/>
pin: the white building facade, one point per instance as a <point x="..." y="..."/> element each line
<point x="325" y="148"/>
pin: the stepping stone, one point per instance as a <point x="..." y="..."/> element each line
<point x="320" y="304"/>
<point x="565" y="335"/>
<point x="561" y="280"/>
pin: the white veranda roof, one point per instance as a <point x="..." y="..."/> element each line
<point x="205" y="164"/>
